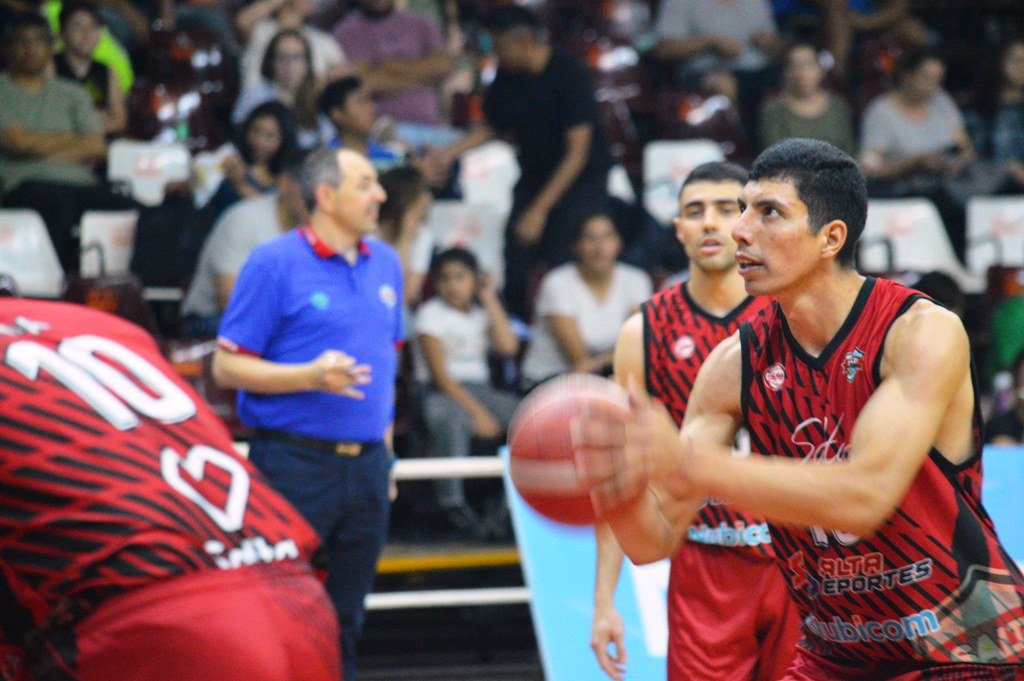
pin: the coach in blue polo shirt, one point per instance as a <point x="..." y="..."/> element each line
<point x="310" y="339"/>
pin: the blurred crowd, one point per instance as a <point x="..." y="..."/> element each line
<point x="578" y="88"/>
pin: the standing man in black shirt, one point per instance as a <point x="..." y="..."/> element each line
<point x="543" y="99"/>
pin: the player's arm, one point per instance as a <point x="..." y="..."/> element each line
<point x="925" y="363"/>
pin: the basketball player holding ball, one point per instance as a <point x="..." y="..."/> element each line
<point x="729" y="614"/>
<point x="860" y="395"/>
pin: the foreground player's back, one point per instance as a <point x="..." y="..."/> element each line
<point x="114" y="474"/>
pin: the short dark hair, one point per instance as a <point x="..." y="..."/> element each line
<point x="25" y="20"/>
<point x="267" y="63"/>
<point x="288" y="150"/>
<point x="826" y="179"/>
<point x="336" y="94"/>
<point x="460" y="255"/>
<point x="75" y="6"/>
<point x="581" y="223"/>
<point x="716" y="171"/>
<point x="507" y="18"/>
<point x="911" y="61"/>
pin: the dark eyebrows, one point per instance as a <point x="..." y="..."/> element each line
<point x="717" y="202"/>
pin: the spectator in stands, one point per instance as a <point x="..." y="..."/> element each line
<point x="108" y="51"/>
<point x="543" y="98"/>
<point x="402" y="56"/>
<point x="805" y="108"/>
<point x="258" y="23"/>
<point x="582" y="304"/>
<point x="265" y="144"/>
<point x="207" y="15"/>
<point x="704" y="38"/>
<point x="348" y="104"/>
<point x="996" y="123"/>
<point x="287" y="78"/>
<point x="241" y="228"/>
<point x="80" y="32"/>
<point x="455" y="330"/>
<point x="914" y="142"/>
<point x="401" y="224"/>
<point x="943" y="289"/>
<point x="50" y="136"/>
<point x="1006" y="334"/>
<point x="1008" y="428"/>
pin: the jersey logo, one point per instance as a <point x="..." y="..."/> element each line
<point x="852" y="363"/>
<point x="387" y="295"/>
<point x="684" y="347"/>
<point x="775" y="377"/>
<point x="319" y="300"/>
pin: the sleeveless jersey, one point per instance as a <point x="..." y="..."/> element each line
<point x="678" y="337"/>
<point x="933" y="585"/>
<point x="114" y="474"/>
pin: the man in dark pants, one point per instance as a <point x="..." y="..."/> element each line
<point x="49" y="137"/>
<point x="309" y="339"/>
<point x="543" y="98"/>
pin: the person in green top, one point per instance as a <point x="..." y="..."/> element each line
<point x="805" y="108"/>
<point x="108" y="51"/>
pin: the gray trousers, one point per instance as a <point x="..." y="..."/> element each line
<point x="450" y="428"/>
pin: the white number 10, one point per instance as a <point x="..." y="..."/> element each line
<point x="77" y="364"/>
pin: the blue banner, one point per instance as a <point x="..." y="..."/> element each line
<point x="559" y="563"/>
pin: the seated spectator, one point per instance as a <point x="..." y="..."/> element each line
<point x="454" y="332"/>
<point x="582" y="304"/>
<point x="80" y="32"/>
<point x="805" y="108"/>
<point x="1008" y="428"/>
<point x="914" y="143"/>
<point x="706" y="37"/>
<point x="402" y="57"/>
<point x="206" y="15"/>
<point x="401" y="224"/>
<point x="241" y="228"/>
<point x="265" y="144"/>
<point x="348" y="104"/>
<point x="996" y="123"/>
<point x="50" y="136"/>
<point x="107" y="52"/>
<point x="258" y="23"/>
<point x="287" y="78"/>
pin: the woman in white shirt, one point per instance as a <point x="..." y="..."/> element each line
<point x="582" y="304"/>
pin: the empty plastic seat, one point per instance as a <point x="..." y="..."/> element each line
<point x="108" y="239"/>
<point x="995" y="232"/>
<point x="666" y="165"/>
<point x="147" y="167"/>
<point x="27" y="254"/>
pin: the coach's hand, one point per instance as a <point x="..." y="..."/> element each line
<point x="335" y="372"/>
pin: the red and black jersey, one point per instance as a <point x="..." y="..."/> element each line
<point x="678" y="337"/>
<point x="114" y="473"/>
<point x="933" y="585"/>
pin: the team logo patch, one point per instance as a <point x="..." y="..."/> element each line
<point x="684" y="347"/>
<point x="852" y="364"/>
<point x="775" y="376"/>
<point x="320" y="300"/>
<point x="387" y="295"/>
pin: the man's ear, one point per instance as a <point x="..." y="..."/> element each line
<point x="833" y="237"/>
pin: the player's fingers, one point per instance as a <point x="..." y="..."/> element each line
<point x="597" y="430"/>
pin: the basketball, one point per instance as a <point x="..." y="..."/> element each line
<point x="540" y="443"/>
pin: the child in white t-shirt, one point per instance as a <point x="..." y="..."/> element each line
<point x="455" y="330"/>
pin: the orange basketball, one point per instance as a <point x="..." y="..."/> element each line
<point x="540" y="443"/>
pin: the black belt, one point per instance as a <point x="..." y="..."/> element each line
<point x="339" y="447"/>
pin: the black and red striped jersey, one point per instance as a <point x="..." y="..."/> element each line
<point x="678" y="337"/>
<point x="932" y="585"/>
<point x="114" y="473"/>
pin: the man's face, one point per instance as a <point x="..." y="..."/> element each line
<point x="358" y="114"/>
<point x="707" y="213"/>
<point x="31" y="51"/>
<point x="775" y="248"/>
<point x="511" y="49"/>
<point x="357" y="199"/>
<point x="81" y="33"/>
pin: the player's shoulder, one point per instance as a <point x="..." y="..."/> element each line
<point x="926" y="326"/>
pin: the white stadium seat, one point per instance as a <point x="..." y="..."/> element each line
<point x="27" y="254"/>
<point x="995" y="232"/>
<point x="147" y="167"/>
<point x="666" y="165"/>
<point x="487" y="175"/>
<point x="113" y="232"/>
<point x="476" y="227"/>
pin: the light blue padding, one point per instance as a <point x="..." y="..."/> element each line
<point x="559" y="563"/>
<point x="1002" y="493"/>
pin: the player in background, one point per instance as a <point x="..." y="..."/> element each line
<point x="729" y="616"/>
<point x="134" y="542"/>
<point x="861" y="395"/>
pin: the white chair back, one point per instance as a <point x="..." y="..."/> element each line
<point x="487" y="175"/>
<point x="147" y="167"/>
<point x="619" y="185"/>
<point x="27" y="254"/>
<point x="995" y="232"/>
<point x="113" y="232"/>
<point x="666" y="165"/>
<point x="478" y="228"/>
<point x="918" y="240"/>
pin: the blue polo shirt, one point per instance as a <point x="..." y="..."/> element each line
<point x="295" y="297"/>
